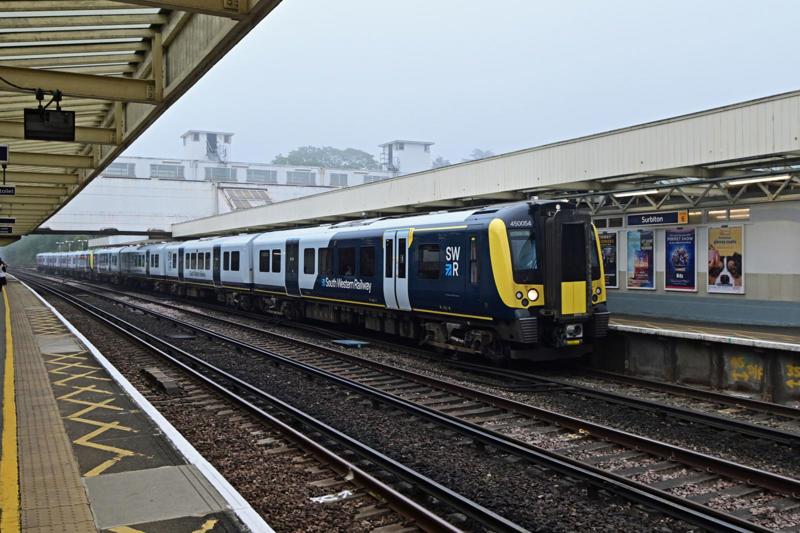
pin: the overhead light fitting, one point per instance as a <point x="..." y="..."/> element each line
<point x="760" y="179"/>
<point x="635" y="193"/>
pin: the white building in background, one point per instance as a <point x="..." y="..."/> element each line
<point x="406" y="157"/>
<point x="207" y="156"/>
<point x="152" y="193"/>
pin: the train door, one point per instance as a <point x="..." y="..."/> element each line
<point x="395" y="269"/>
<point x="180" y="263"/>
<point x="217" y="265"/>
<point x="567" y="270"/>
<point x="292" y="267"/>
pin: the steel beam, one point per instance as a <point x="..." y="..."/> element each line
<point x="17" y="23"/>
<point x="14" y="177"/>
<point x="75" y="35"/>
<point x="34" y="159"/>
<point x="82" y="85"/>
<point x="221" y="8"/>
<point x="83" y="134"/>
<point x="29" y="200"/>
<point x="38" y="50"/>
<point x="61" y="5"/>
<point x="73" y="60"/>
<point x="32" y="190"/>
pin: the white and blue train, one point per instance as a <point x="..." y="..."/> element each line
<point x="518" y="280"/>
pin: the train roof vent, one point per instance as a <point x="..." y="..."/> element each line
<point x="354" y="223"/>
<point x="485" y="211"/>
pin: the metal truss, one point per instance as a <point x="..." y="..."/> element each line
<point x="690" y="194"/>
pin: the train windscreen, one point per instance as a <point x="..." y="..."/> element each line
<point x="523" y="255"/>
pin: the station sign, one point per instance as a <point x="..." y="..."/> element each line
<point x="3" y="154"/>
<point x="658" y="218"/>
<point x="8" y="220"/>
<point x="8" y="190"/>
<point x="6" y="229"/>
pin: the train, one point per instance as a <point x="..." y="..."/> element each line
<point x="514" y="281"/>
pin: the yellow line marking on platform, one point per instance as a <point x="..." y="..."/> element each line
<point x="125" y="529"/>
<point x="87" y="375"/>
<point x="9" y="472"/>
<point x="208" y="525"/>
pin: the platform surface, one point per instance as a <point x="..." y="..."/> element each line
<point x="758" y="336"/>
<point x="88" y="458"/>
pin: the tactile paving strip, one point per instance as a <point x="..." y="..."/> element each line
<point x="52" y="496"/>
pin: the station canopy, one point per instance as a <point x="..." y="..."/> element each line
<point x="117" y="65"/>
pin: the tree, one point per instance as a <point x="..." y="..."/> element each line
<point x="328" y="156"/>
<point x="440" y="162"/>
<point x="477" y="153"/>
<point x="23" y="252"/>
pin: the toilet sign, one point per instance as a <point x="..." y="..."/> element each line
<point x="6" y="229"/>
<point x="8" y="190"/>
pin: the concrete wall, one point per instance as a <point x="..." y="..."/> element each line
<point x="771" y="275"/>
<point x="770" y="375"/>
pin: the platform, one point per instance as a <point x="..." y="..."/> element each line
<point x="765" y="337"/>
<point x="83" y="451"/>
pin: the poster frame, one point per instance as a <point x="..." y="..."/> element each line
<point x="655" y="259"/>
<point x="744" y="251"/>
<point x="696" y="257"/>
<point x="616" y="254"/>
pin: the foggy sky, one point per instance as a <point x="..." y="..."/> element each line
<point x="500" y="75"/>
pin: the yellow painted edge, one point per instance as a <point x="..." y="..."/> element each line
<point x="599" y="283"/>
<point x="477" y="317"/>
<point x="9" y="472"/>
<point x="440" y="228"/>
<point x="502" y="270"/>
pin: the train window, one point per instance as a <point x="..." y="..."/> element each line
<point x="235" y="261"/>
<point x="473" y="260"/>
<point x="155" y="261"/>
<point x="325" y="261"/>
<point x="367" y="261"/>
<point x="226" y="261"/>
<point x="263" y="261"/>
<point x="201" y="261"/>
<point x="593" y="257"/>
<point x="276" y="261"/>
<point x="194" y="260"/>
<point x="208" y="260"/>
<point x="401" y="258"/>
<point x="387" y="258"/>
<point x="523" y="255"/>
<point x="429" y="261"/>
<point x="347" y="261"/>
<point x="308" y="260"/>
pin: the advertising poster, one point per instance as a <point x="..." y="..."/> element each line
<point x="680" y="270"/>
<point x="726" y="260"/>
<point x="608" y="250"/>
<point x="641" y="259"/>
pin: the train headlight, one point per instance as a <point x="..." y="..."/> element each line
<point x="519" y="295"/>
<point x="598" y="290"/>
<point x="533" y="295"/>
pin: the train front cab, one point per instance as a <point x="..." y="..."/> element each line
<point x="545" y="262"/>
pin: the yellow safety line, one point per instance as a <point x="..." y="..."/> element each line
<point x="9" y="473"/>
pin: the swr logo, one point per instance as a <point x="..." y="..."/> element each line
<point x="451" y="255"/>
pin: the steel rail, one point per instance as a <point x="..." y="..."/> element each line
<point x="403" y="504"/>
<point x="668" y="503"/>
<point x="728" y="424"/>
<point x="699" y="394"/>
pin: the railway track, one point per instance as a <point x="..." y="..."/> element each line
<point x="704" y="490"/>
